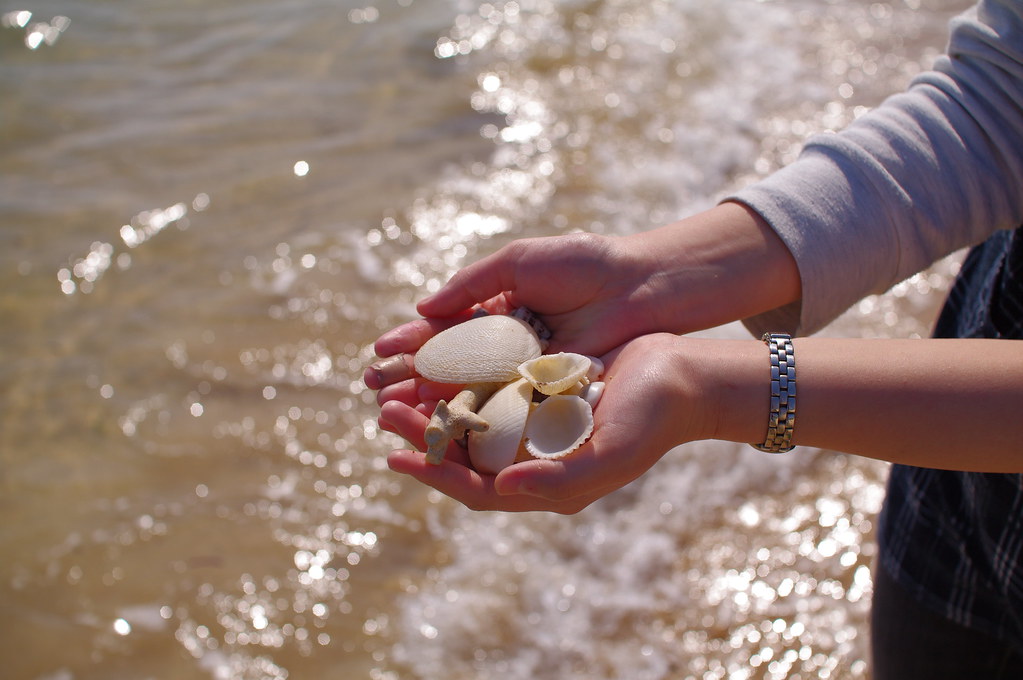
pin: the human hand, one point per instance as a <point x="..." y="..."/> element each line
<point x="596" y="292"/>
<point x="587" y="289"/>
<point x="649" y="406"/>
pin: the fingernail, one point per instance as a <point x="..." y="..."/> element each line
<point x="391" y="369"/>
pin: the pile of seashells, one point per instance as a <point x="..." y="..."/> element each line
<point x="517" y="401"/>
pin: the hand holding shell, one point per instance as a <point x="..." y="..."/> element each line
<point x="500" y="359"/>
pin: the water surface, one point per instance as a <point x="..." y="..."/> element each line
<point x="209" y="210"/>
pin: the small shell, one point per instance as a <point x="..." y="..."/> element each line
<point x="483" y="349"/>
<point x="575" y="390"/>
<point x="506" y="412"/>
<point x="596" y="369"/>
<point x="538" y="326"/>
<point x="558" y="426"/>
<point x="592" y="392"/>
<point x="555" y="373"/>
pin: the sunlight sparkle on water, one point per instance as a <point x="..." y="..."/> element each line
<point x="38" y="33"/>
<point x="16" y="19"/>
<point x="294" y="535"/>
<point x="86" y="271"/>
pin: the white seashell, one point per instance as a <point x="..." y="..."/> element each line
<point x="555" y="373"/>
<point x="575" y="390"/>
<point x="558" y="426"/>
<point x="538" y="326"/>
<point x="596" y="369"/>
<point x="484" y="349"/>
<point x="506" y="413"/>
<point x="592" y="392"/>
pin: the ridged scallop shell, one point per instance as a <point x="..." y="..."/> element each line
<point x="484" y="349"/>
<point x="555" y="373"/>
<point x="506" y="413"/>
<point x="558" y="426"/>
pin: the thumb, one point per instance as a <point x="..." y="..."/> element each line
<point x="554" y="480"/>
<point x="522" y="478"/>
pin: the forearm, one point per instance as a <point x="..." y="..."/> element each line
<point x="930" y="171"/>
<point x="951" y="404"/>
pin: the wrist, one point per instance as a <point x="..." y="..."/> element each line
<point x="715" y="267"/>
<point x="733" y="388"/>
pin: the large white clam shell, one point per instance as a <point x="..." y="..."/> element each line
<point x="555" y="373"/>
<point x="484" y="349"/>
<point x="506" y="413"/>
<point x="558" y="426"/>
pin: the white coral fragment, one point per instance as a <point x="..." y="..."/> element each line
<point x="451" y="420"/>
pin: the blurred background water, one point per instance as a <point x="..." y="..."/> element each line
<point x="209" y="210"/>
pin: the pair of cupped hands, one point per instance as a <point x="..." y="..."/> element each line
<point x="595" y="297"/>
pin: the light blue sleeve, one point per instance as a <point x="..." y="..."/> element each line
<point x="929" y="171"/>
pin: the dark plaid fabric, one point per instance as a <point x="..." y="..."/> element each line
<point x="954" y="540"/>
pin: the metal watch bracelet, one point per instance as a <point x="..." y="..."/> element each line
<point x="782" y="418"/>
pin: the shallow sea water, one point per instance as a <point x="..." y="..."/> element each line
<point x="209" y="210"/>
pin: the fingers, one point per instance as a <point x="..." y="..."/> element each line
<point x="410" y="424"/>
<point x="503" y="303"/>
<point x="476" y="283"/>
<point x="416" y="391"/>
<point x="389" y="371"/>
<point x="432" y="392"/>
<point x="410" y="336"/>
<point x="583" y="474"/>
<point x="472" y="489"/>
<point x="451" y="478"/>
<point x="397" y="348"/>
<point x="456" y="478"/>
<point x="603" y="464"/>
<point x="405" y="391"/>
